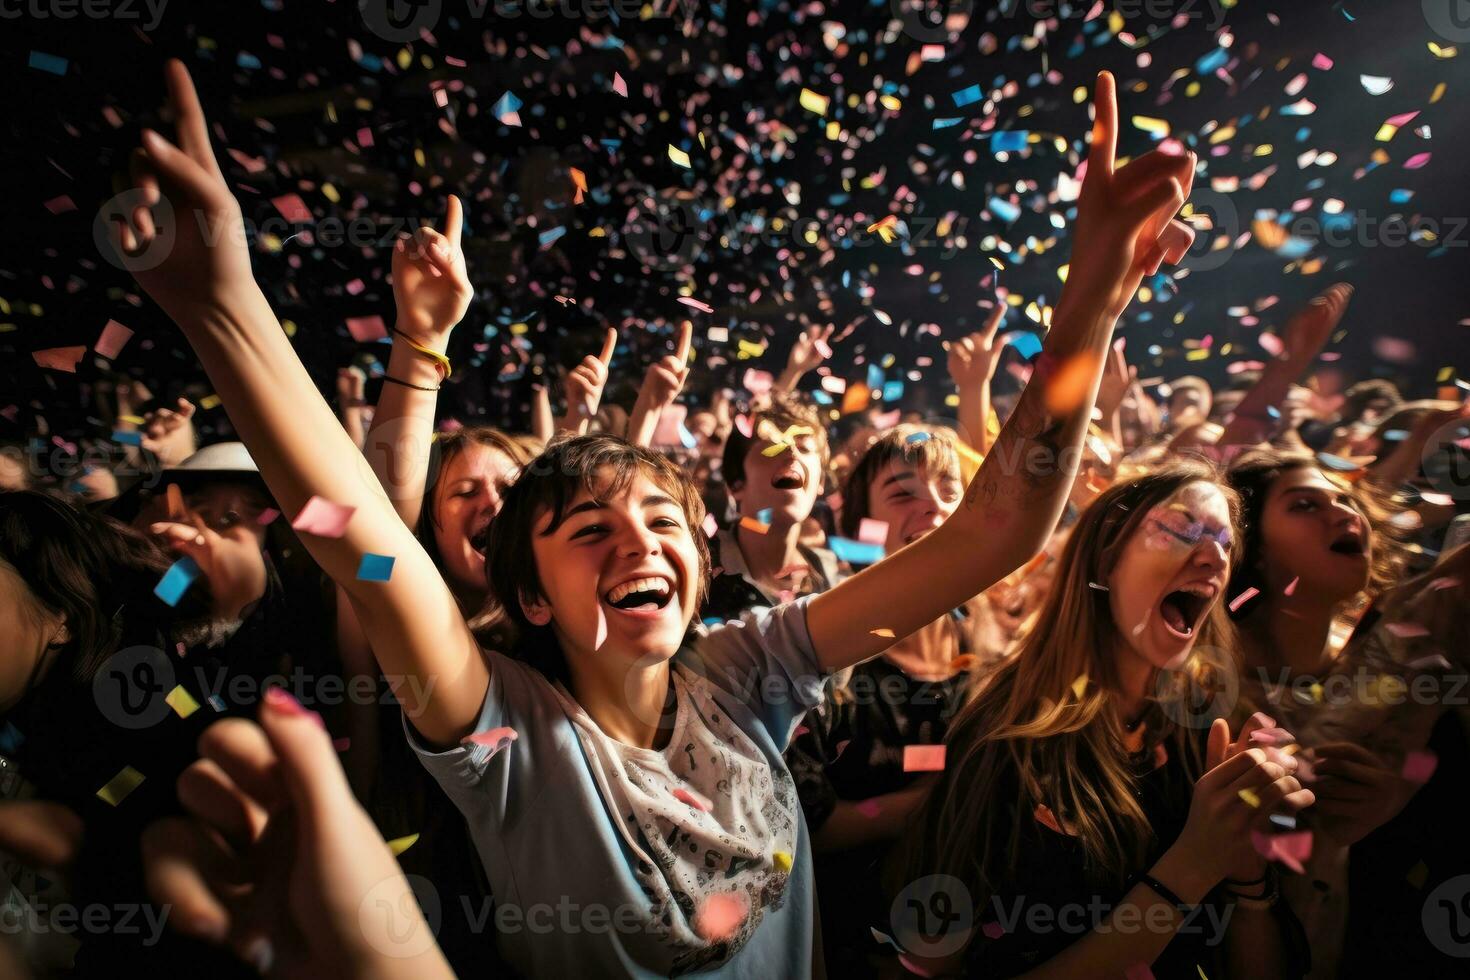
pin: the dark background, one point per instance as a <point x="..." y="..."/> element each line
<point x="292" y="82"/>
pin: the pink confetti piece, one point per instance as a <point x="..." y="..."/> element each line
<point x="916" y="968"/>
<point x="323" y="518"/>
<point x="745" y="426"/>
<point x="923" y="758"/>
<point x="114" y="336"/>
<point x="1322" y="63"/>
<point x="1401" y="119"/>
<point x="711" y="527"/>
<point x="1406" y="631"/>
<point x="872" y="532"/>
<point x="1271" y="344"/>
<point x="1438" y="499"/>
<point x="341" y="744"/>
<point x="366" y="329"/>
<point x="1291" y="586"/>
<point x="1243" y="598"/>
<point x="720" y="916"/>
<point x="1419" y="766"/>
<point x="267" y="516"/>
<point x="292" y="208"/>
<point x="365" y="137"/>
<point x="1417" y="161"/>
<point x="252" y="165"/>
<point x="619" y="85"/>
<point x="1272" y="737"/>
<point x="696" y="304"/>
<point x="495" y="739"/>
<point x="1444" y="582"/>
<point x="60" y="358"/>
<point x="757" y="382"/>
<point x="61" y="205"/>
<point x="869" y="808"/>
<point x="1290" y="849"/>
<point x="691" y="798"/>
<point x="993" y="930"/>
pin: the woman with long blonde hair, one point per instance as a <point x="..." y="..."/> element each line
<point x="1082" y="793"/>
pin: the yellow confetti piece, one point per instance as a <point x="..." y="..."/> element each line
<point x="1149" y="124"/>
<point x="331" y="193"/>
<point x="1079" y="686"/>
<point x="679" y="157"/>
<point x="289" y="326"/>
<point x="782" y="860"/>
<point x="131" y="419"/>
<point x="775" y="450"/>
<point x="400" y="844"/>
<point x="209" y="401"/>
<point x="1197" y="355"/>
<point x="1439" y="91"/>
<point x="1251" y="799"/>
<point x="119" y="786"/>
<point x="1445" y="374"/>
<point x="883" y="631"/>
<point x="181" y="701"/>
<point x="814" y="102"/>
<point x="1316" y="692"/>
<point x="1418" y="874"/>
<point x="1443" y="53"/>
<point x="890" y="102"/>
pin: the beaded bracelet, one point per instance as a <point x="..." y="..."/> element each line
<point x="429" y="352"/>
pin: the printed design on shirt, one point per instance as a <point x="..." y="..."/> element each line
<point x="707" y="817"/>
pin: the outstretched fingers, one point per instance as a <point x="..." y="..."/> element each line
<point x="192" y="127"/>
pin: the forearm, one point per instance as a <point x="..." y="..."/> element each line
<point x="643" y="423"/>
<point x="974" y="416"/>
<point x="399" y="442"/>
<point x="788" y="380"/>
<point x="542" y="424"/>
<point x="352" y="425"/>
<point x="1254" y="946"/>
<point x="853" y="824"/>
<point x="1007" y="516"/>
<point x="1252" y="422"/>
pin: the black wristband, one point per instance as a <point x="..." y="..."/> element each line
<point x="1237" y="883"/>
<point x="407" y="384"/>
<point x="1163" y="891"/>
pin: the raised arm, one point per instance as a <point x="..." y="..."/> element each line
<point x="1306" y="334"/>
<point x="807" y="353"/>
<point x="972" y="363"/>
<point x="432" y="291"/>
<point x="584" y="387"/>
<point x="205" y="284"/>
<point x="1124" y="231"/>
<point x="661" y="385"/>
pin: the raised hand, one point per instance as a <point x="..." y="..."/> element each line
<point x="1115" y="382"/>
<point x="278" y="861"/>
<point x="351" y="386"/>
<point x="809" y="350"/>
<point x="1125" y="226"/>
<point x="231" y="561"/>
<point x="1307" y="332"/>
<point x="666" y="376"/>
<point x="973" y="358"/>
<point x="168" y="433"/>
<point x="195" y="245"/>
<point x="584" y="386"/>
<point x="1356" y="792"/>
<point x="430" y="283"/>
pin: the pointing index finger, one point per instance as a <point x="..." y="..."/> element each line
<point x="454" y="221"/>
<point x="1104" y="126"/>
<point x="609" y="344"/>
<point x="686" y="337"/>
<point x="992" y="324"/>
<point x="192" y="129"/>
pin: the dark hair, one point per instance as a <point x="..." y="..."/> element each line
<point x="97" y="573"/>
<point x="604" y="466"/>
<point x="1357" y="397"/>
<point x="1253" y="474"/>
<point x="783" y="412"/>
<point x="925" y="447"/>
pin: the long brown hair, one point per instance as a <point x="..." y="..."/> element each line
<point x="1029" y="727"/>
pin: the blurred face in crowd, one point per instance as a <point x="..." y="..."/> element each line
<point x="912" y="500"/>
<point x="466" y="499"/>
<point x="1313" y="533"/>
<point x="784" y="481"/>
<point x="29" y="629"/>
<point x="1189" y="399"/>
<point x="1170" y="573"/>
<point x="224" y="506"/>
<point x="12" y="471"/>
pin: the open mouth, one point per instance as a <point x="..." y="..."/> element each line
<point x="480" y="539"/>
<point x="788" y="480"/>
<point x="1182" y="609"/>
<point x="646" y="594"/>
<point x="1350" y="543"/>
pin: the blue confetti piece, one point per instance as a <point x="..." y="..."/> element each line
<point x="1337" y="463"/>
<point x="1004" y="210"/>
<point x="855" y="552"/>
<point x="216" y="702"/>
<point x="1273" y="411"/>
<point x="552" y="234"/>
<point x="48" y="62"/>
<point x="246" y="60"/>
<point x="965" y="96"/>
<point x="128" y="438"/>
<point x="686" y="438"/>
<point x="948" y="122"/>
<point x="1395" y="435"/>
<point x="1025" y="343"/>
<point x="875" y="376"/>
<point x="1013" y="140"/>
<point x="764" y="516"/>
<point x="375" y="568"/>
<point x="1215" y="59"/>
<point x="1401" y="195"/>
<point x="892" y="391"/>
<point x="821" y="397"/>
<point x="916" y="437"/>
<point x="176" y="581"/>
<point x="10" y="739"/>
<point x="505" y="105"/>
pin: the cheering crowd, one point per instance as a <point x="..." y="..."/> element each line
<point x="1102" y="680"/>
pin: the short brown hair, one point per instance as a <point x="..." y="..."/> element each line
<point x="783" y="412"/>
<point x="603" y="465"/>
<point x="926" y="447"/>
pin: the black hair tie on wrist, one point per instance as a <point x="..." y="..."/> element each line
<point x="408" y="384"/>
<point x="1163" y="891"/>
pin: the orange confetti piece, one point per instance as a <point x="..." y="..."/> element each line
<point x="1072" y="384"/>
